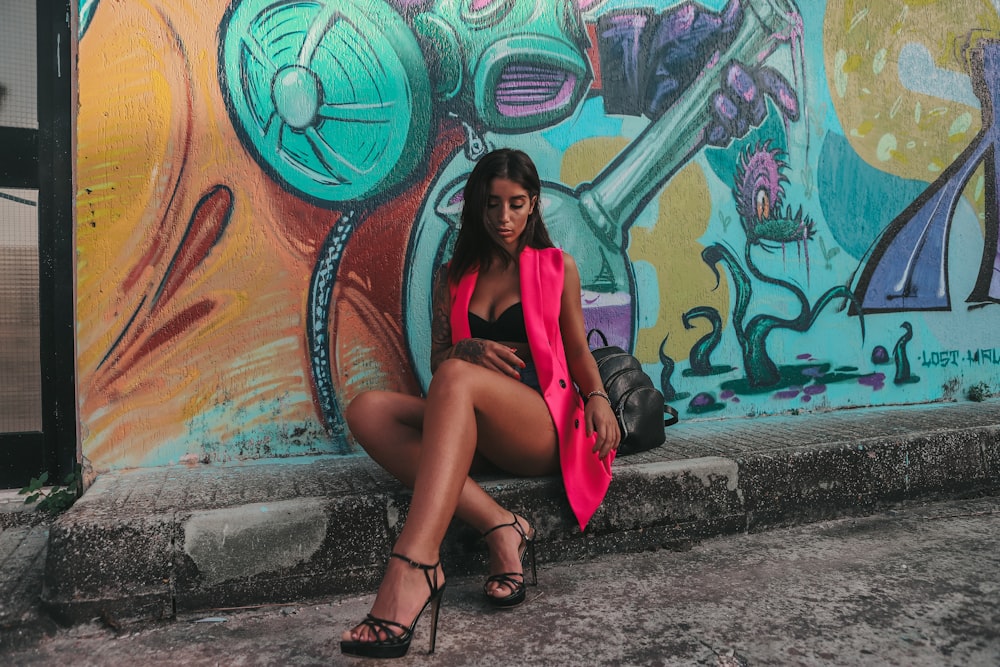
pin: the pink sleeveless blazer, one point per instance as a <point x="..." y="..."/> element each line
<point x="585" y="476"/>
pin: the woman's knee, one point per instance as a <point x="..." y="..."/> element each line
<point x="365" y="409"/>
<point x="454" y="375"/>
<point x="452" y="368"/>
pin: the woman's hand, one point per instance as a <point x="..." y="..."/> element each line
<point x="601" y="420"/>
<point x="489" y="354"/>
<point x="598" y="415"/>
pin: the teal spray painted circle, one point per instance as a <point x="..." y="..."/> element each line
<point x="332" y="97"/>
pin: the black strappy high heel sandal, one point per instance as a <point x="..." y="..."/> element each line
<point x="398" y="636"/>
<point x="513" y="580"/>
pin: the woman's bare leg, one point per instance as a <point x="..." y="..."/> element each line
<point x="467" y="407"/>
<point x="388" y="425"/>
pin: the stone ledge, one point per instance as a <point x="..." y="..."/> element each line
<point x="251" y="536"/>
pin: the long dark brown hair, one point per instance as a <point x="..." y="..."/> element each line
<point x="475" y="248"/>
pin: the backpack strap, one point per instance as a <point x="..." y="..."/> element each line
<point x="604" y="339"/>
<point x="670" y="417"/>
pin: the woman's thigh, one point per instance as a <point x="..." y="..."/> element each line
<point x="514" y="428"/>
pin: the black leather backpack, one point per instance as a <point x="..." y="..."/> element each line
<point x="639" y="406"/>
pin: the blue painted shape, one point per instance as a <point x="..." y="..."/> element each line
<point x="907" y="269"/>
<point x="919" y="73"/>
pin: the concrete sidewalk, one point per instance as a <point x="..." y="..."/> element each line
<point x="914" y="587"/>
<point x="151" y="544"/>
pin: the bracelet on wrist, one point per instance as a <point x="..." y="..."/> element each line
<point x="598" y="393"/>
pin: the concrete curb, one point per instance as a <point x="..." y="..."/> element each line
<point x="145" y="545"/>
<point x="822" y="482"/>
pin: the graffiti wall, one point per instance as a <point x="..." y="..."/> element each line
<point x="777" y="205"/>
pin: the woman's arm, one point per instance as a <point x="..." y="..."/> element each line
<point x="599" y="416"/>
<point x="440" y="319"/>
<point x="486" y="353"/>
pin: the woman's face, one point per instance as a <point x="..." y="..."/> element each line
<point x="507" y="209"/>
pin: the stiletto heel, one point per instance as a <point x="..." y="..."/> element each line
<point x="513" y="580"/>
<point x="398" y="636"/>
<point x="435" y="609"/>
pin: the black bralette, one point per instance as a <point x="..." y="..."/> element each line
<point x="508" y="327"/>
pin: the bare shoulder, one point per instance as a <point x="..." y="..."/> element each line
<point x="568" y="260"/>
<point x="571" y="275"/>
<point x="569" y="264"/>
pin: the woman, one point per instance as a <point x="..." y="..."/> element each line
<point x="508" y="344"/>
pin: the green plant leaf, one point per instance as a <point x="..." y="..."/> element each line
<point x="57" y="501"/>
<point x="57" y="498"/>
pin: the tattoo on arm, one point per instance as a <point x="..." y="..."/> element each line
<point x="440" y="319"/>
<point x="470" y="349"/>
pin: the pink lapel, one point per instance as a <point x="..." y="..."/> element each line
<point x="460" y="298"/>
<point x="533" y="301"/>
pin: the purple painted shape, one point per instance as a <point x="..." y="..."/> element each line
<point x="995" y="280"/>
<point x="772" y="81"/>
<point x="701" y="400"/>
<point x="680" y="24"/>
<point x="527" y="90"/>
<point x="791" y="392"/>
<point x="479" y="5"/>
<point x="876" y="381"/>
<point x="725" y="107"/>
<point x="628" y="25"/>
<point x="740" y="81"/>
<point x="880" y="355"/>
<point x="813" y="372"/>
<point x="612" y="316"/>
<point x="813" y="389"/>
<point x="687" y="41"/>
<point x="619" y="43"/>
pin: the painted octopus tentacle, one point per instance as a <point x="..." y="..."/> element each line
<point x="317" y="328"/>
<point x="701" y="351"/>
